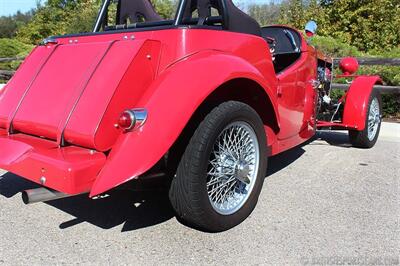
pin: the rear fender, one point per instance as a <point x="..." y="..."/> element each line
<point x="354" y="114"/>
<point x="170" y="101"/>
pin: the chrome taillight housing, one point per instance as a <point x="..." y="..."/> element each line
<point x="132" y="119"/>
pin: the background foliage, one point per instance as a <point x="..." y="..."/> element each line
<point x="345" y="28"/>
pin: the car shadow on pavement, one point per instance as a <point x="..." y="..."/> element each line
<point x="135" y="209"/>
<point x="132" y="209"/>
<point x="334" y="138"/>
<point x="11" y="184"/>
<point x="282" y="160"/>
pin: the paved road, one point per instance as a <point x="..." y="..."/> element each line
<point x="324" y="203"/>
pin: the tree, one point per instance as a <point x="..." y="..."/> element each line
<point x="265" y="14"/>
<point x="366" y="24"/>
<point x="58" y="17"/>
<point x="10" y="24"/>
<point x="165" y="8"/>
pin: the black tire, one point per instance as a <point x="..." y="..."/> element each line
<point x="360" y="139"/>
<point x="188" y="191"/>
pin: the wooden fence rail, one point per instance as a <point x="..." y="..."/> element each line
<point x="6" y="74"/>
<point x="381" y="88"/>
<point x="10" y="59"/>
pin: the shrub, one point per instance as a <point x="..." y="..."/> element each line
<point x="334" y="47"/>
<point x="13" y="48"/>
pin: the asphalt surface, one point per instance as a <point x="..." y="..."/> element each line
<point x="322" y="203"/>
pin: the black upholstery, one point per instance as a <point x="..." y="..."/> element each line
<point x="136" y="10"/>
<point x="239" y="21"/>
<point x="285" y="53"/>
<point x="233" y="19"/>
<point x="282" y="42"/>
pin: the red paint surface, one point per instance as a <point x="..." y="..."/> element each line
<point x="355" y="109"/>
<point x="74" y="93"/>
<point x="348" y="65"/>
<point x="71" y="170"/>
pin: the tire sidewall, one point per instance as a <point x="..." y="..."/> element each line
<point x="374" y="94"/>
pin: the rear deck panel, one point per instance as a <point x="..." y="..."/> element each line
<point x="56" y="89"/>
<point x="18" y="86"/>
<point x="118" y="83"/>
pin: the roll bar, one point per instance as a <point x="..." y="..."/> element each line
<point x="176" y="22"/>
<point x="101" y="15"/>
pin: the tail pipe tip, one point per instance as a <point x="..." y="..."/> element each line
<point x="42" y="194"/>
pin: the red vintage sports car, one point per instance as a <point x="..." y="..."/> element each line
<point x="204" y="98"/>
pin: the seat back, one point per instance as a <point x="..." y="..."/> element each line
<point x="239" y="21"/>
<point x="283" y="44"/>
<point x="233" y="19"/>
<point x="136" y="11"/>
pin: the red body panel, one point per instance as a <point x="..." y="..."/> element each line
<point x="17" y="87"/>
<point x="169" y="119"/>
<point x="71" y="170"/>
<point x="296" y="95"/>
<point x="57" y="88"/>
<point x="99" y="132"/>
<point x="74" y="92"/>
<point x="354" y="114"/>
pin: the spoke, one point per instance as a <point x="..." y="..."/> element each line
<point x="224" y="191"/>
<point x="215" y="180"/>
<point x="224" y="149"/>
<point x="228" y="190"/>
<point x="216" y="188"/>
<point x="220" y="193"/>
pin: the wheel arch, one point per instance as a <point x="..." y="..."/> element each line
<point x="249" y="92"/>
<point x="242" y="90"/>
<point x="354" y="113"/>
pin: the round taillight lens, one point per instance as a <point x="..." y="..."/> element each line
<point x="126" y="120"/>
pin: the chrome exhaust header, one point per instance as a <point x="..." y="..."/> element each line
<point x="41" y="194"/>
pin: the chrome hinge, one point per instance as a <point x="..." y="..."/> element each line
<point x="48" y="41"/>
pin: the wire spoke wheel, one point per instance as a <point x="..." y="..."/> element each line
<point x="233" y="167"/>
<point x="367" y="137"/>
<point x="220" y="175"/>
<point x="374" y="119"/>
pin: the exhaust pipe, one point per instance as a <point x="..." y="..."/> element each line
<point x="41" y="194"/>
